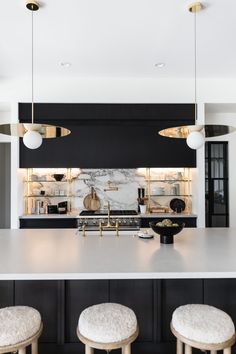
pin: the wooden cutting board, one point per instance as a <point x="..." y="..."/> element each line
<point x="91" y="201"/>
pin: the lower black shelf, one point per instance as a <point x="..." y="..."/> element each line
<point x="57" y="223"/>
<point x="68" y="223"/>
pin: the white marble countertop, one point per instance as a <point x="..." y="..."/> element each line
<point x="49" y="216"/>
<point x="167" y="215"/>
<point x="61" y="254"/>
<point x="74" y="215"/>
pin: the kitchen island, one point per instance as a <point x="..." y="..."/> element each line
<point x="65" y="254"/>
<point x="60" y="273"/>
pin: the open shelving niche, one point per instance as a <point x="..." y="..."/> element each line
<point x="58" y="190"/>
<point x="175" y="183"/>
<point x="153" y="177"/>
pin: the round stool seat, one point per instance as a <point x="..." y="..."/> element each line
<point x="203" y="323"/>
<point x="107" y="323"/>
<point x="17" y="324"/>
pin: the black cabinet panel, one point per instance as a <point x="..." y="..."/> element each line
<point x="42" y="295"/>
<point x="61" y="302"/>
<point x="48" y="223"/>
<point x="216" y="184"/>
<point x="107" y="111"/>
<point x="138" y="295"/>
<point x="189" y="222"/>
<point x="221" y="293"/>
<point x="6" y="293"/>
<point x="110" y="136"/>
<point x="176" y="293"/>
<point x="79" y="295"/>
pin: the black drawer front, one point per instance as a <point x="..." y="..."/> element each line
<point x="48" y="223"/>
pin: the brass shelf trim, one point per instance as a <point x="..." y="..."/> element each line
<point x="170" y="195"/>
<point x="44" y="181"/>
<point x="168" y="180"/>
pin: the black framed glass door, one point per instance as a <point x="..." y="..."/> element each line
<point x="216" y="184"/>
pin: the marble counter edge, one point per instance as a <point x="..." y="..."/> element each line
<point x="167" y="215"/>
<point x="49" y="216"/>
<point x="76" y="216"/>
<point x="117" y="276"/>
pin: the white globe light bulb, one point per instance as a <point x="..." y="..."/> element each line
<point x="195" y="140"/>
<point x="32" y="139"/>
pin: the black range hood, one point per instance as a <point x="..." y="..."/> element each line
<point x="110" y="136"/>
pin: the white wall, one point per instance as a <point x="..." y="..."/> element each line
<point x="9" y="113"/>
<point x="106" y="89"/>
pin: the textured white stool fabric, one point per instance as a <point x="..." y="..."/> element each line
<point x="107" y="323"/>
<point x="203" y="323"/>
<point x="18" y="323"/>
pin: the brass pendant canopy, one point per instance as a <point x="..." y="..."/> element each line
<point x="32" y="5"/>
<point x="45" y="130"/>
<point x="195" y="7"/>
<point x="208" y="130"/>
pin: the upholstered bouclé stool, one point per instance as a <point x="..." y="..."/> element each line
<point x="107" y="326"/>
<point x="20" y="326"/>
<point x="203" y="327"/>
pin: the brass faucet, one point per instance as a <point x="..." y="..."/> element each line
<point x="108" y="215"/>
<point x="84" y="230"/>
<point x="117" y="228"/>
<point x="109" y="225"/>
<point x="100" y="227"/>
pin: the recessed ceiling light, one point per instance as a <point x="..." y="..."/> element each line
<point x="160" y="65"/>
<point x="65" y="64"/>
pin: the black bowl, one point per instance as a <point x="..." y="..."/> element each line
<point x="58" y="176"/>
<point x="166" y="232"/>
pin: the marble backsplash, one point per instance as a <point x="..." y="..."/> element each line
<point x="126" y="181"/>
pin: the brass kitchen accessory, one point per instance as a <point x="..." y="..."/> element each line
<point x="111" y="187"/>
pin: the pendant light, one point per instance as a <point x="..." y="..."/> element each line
<point x="32" y="133"/>
<point x="195" y="134"/>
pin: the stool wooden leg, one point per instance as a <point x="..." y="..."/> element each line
<point x="213" y="351"/>
<point x="88" y="349"/>
<point x="34" y="347"/>
<point x="179" y="347"/>
<point x="188" y="349"/>
<point x="227" y="350"/>
<point x="22" y="351"/>
<point x="126" y="349"/>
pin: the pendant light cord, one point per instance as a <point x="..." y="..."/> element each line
<point x="32" y="66"/>
<point x="195" y="65"/>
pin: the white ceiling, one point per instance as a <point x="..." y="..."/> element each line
<point x="118" y="38"/>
